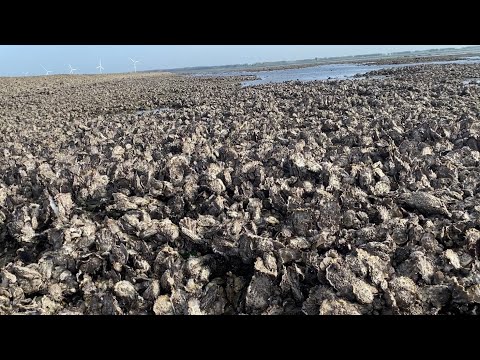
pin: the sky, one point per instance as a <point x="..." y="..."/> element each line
<point x="19" y="60"/>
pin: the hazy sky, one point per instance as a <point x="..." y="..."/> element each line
<point x="16" y="60"/>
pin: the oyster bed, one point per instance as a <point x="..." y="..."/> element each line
<point x="339" y="197"/>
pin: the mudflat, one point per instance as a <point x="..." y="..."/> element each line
<point x="340" y="197"/>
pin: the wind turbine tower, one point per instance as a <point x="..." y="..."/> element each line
<point x="47" y="72"/>
<point x="134" y="64"/>
<point x="72" y="70"/>
<point x="100" y="67"/>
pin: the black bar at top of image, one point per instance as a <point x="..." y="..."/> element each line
<point x="329" y="23"/>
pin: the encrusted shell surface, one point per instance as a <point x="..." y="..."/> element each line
<point x="156" y="193"/>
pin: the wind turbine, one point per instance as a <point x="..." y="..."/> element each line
<point x="134" y="64"/>
<point x="100" y="67"/>
<point x="71" y="69"/>
<point x="47" y="71"/>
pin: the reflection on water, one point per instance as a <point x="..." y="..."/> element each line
<point x="321" y="72"/>
<point x="330" y="72"/>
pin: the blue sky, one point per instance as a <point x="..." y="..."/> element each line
<point x="16" y="60"/>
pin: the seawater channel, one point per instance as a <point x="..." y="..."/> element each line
<point x="326" y="72"/>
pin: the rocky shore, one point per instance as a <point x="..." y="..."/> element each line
<point x="340" y="197"/>
<point x="415" y="59"/>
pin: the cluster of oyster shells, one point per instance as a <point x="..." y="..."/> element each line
<point x="341" y="197"/>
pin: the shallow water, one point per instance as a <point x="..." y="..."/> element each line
<point x="330" y="72"/>
<point x="321" y="72"/>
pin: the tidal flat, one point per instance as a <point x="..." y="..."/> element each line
<point x="168" y="194"/>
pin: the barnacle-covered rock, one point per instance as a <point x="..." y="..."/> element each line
<point x="28" y="278"/>
<point x="258" y="293"/>
<point x="163" y="306"/>
<point x="125" y="290"/>
<point x="338" y="307"/>
<point x="426" y="203"/>
<point x="23" y="224"/>
<point x="341" y="277"/>
<point x="65" y="204"/>
<point x="405" y="291"/>
<point x="168" y="230"/>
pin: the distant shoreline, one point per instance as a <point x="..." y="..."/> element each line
<point x="373" y="59"/>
